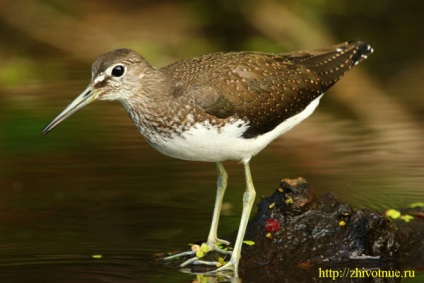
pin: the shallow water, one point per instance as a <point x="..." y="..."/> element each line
<point x="92" y="202"/>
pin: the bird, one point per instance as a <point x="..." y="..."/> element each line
<point x="218" y="107"/>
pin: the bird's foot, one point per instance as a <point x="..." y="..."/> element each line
<point x="229" y="266"/>
<point x="199" y="252"/>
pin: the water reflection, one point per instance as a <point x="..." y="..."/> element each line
<point x="112" y="241"/>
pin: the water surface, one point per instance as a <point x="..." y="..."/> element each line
<point x="93" y="202"/>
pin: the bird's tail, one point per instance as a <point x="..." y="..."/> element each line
<point x="333" y="62"/>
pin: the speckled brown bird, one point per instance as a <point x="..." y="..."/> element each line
<point x="217" y="107"/>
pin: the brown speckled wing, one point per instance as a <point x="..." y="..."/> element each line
<point x="261" y="88"/>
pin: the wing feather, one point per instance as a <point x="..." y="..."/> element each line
<point x="262" y="88"/>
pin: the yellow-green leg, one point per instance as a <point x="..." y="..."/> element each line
<point x="213" y="232"/>
<point x="248" y="200"/>
<point x="221" y="187"/>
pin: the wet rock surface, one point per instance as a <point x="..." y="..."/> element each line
<point x="298" y="236"/>
<point x="318" y="230"/>
<point x="411" y="238"/>
<point x="315" y="233"/>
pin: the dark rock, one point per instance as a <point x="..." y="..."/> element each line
<point x="411" y="236"/>
<point x="320" y="230"/>
<point x="316" y="232"/>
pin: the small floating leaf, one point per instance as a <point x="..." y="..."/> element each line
<point x="416" y="204"/>
<point x="222" y="245"/>
<point x="195" y="248"/>
<point x="393" y="213"/>
<point x="342" y="223"/>
<point x="200" y="278"/>
<point x="268" y="235"/>
<point x="289" y="200"/>
<point x="200" y="253"/>
<point x="200" y="250"/>
<point x="272" y="205"/>
<point x="407" y="217"/>
<point x="204" y="247"/>
<point x="221" y="262"/>
<point x="249" y="243"/>
<point x="97" y="256"/>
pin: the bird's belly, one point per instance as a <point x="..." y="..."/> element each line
<point x="206" y="142"/>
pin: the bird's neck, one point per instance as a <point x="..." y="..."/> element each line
<point x="152" y="109"/>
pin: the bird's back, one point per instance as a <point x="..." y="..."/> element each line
<point x="263" y="89"/>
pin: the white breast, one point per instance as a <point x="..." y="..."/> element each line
<point x="204" y="142"/>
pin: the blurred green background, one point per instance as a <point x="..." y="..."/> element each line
<point x="94" y="175"/>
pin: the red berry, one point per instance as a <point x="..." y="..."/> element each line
<point x="272" y="225"/>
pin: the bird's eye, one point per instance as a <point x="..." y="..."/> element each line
<point x="118" y="71"/>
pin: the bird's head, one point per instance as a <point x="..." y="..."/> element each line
<point x="116" y="75"/>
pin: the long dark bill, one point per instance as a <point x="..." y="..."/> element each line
<point x="85" y="98"/>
